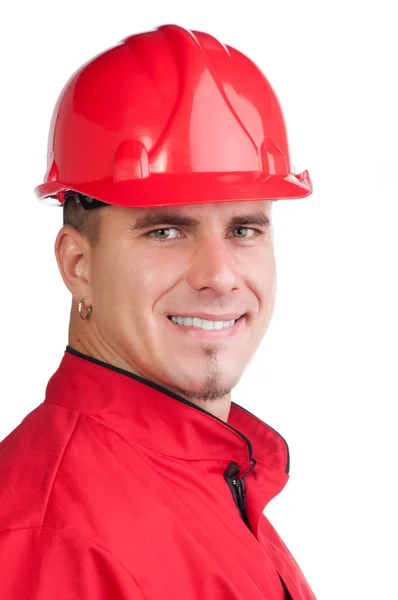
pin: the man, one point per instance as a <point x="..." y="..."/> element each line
<point x="138" y="477"/>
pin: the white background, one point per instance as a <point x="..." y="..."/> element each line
<point x="325" y="375"/>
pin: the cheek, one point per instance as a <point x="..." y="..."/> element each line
<point x="157" y="271"/>
<point x="261" y="275"/>
<point x="112" y="280"/>
<point x="121" y="281"/>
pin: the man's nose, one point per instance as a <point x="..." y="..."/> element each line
<point x="213" y="266"/>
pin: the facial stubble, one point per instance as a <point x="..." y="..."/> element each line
<point x="212" y="389"/>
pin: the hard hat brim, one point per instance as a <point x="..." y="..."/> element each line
<point x="161" y="189"/>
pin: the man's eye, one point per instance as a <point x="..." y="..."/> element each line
<point x="159" y="234"/>
<point x="160" y="238"/>
<point x="240" y="228"/>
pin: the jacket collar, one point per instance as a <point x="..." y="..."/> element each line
<point x="145" y="412"/>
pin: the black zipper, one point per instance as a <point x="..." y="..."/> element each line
<point x="238" y="488"/>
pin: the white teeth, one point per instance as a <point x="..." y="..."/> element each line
<point x="202" y="323"/>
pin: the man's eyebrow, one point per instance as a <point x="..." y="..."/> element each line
<point x="258" y="218"/>
<point x="173" y="219"/>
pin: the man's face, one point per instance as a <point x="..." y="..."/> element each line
<point x="140" y="277"/>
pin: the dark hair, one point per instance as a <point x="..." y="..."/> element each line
<point x="82" y="212"/>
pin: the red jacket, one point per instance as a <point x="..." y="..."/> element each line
<point x="115" y="488"/>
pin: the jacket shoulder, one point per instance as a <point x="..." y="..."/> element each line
<point x="29" y="460"/>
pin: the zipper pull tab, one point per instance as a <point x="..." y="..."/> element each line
<point x="237" y="487"/>
<point x="241" y="496"/>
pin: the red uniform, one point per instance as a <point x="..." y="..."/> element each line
<point x="116" y="488"/>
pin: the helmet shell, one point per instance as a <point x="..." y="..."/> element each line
<point x="167" y="117"/>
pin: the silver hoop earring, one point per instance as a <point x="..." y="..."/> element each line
<point x="88" y="310"/>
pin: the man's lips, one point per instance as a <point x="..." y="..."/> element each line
<point x="209" y="317"/>
<point x="208" y="334"/>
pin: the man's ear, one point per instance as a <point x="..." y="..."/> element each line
<point x="73" y="255"/>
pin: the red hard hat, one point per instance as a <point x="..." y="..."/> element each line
<point x="166" y="117"/>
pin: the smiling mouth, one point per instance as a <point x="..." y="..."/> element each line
<point x="204" y="324"/>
